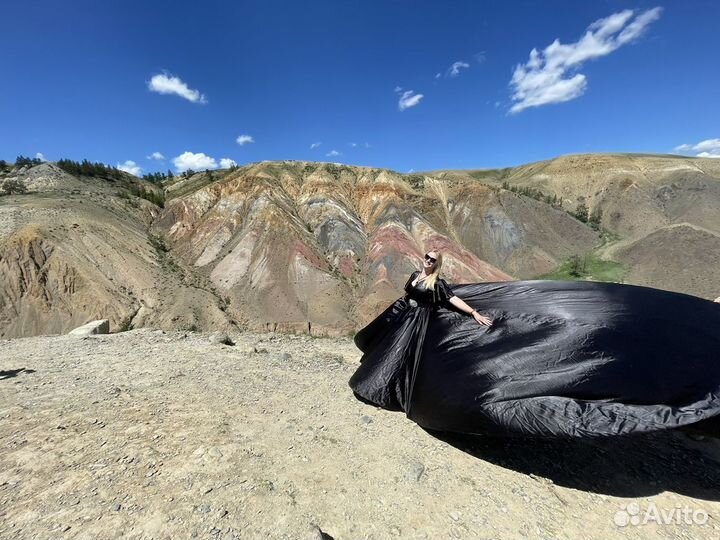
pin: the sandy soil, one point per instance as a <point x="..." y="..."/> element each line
<point x="146" y="434"/>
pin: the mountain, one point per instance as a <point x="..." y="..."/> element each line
<point x="663" y="210"/>
<point x="298" y="242"/>
<point x="322" y="248"/>
<point x="75" y="249"/>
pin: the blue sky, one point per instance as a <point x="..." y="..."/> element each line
<point x="85" y="79"/>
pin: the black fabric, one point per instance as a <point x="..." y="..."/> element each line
<point x="562" y="359"/>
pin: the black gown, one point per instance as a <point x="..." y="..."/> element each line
<point x="562" y="359"/>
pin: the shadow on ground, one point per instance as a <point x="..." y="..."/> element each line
<point x="6" y="374"/>
<point x="630" y="466"/>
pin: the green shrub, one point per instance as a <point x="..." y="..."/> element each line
<point x="13" y="186"/>
<point x="581" y="212"/>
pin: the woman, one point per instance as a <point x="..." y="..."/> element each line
<point x="429" y="280"/>
<point x="544" y="358"/>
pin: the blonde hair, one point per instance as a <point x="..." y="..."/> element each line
<point x="431" y="280"/>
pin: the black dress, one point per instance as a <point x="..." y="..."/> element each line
<point x="562" y="359"/>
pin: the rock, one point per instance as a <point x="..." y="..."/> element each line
<point x="101" y="326"/>
<point x="365" y="419"/>
<point x="214" y="452"/>
<point x="285" y="356"/>
<point x="316" y="533"/>
<point x="414" y="471"/>
<point x="221" y="338"/>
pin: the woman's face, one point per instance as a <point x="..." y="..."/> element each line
<point x="429" y="264"/>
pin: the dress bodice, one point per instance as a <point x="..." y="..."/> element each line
<point x="433" y="297"/>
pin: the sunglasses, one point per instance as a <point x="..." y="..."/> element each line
<point x="428" y="258"/>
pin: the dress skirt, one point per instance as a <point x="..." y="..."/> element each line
<point x="562" y="359"/>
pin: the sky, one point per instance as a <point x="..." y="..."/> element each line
<point x="410" y="85"/>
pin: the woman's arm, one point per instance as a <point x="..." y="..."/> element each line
<point x="462" y="306"/>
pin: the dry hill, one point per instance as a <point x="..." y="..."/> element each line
<point x="321" y="247"/>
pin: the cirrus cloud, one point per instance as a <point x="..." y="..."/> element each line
<point x="548" y="75"/>
<point x="454" y="70"/>
<point x="408" y="98"/>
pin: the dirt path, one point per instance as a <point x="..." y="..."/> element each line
<point x="151" y="435"/>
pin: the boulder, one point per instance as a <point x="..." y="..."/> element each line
<point x="221" y="338"/>
<point x="101" y="326"/>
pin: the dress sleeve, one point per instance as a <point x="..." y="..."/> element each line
<point x="444" y="291"/>
<point x="409" y="281"/>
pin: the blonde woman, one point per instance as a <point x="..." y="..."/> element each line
<point x="428" y="287"/>
<point x="541" y="358"/>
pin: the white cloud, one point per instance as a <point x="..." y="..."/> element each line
<point x="196" y="162"/>
<point x="40" y="156"/>
<point x="683" y="148"/>
<point x="480" y="57"/>
<point x="164" y="83"/>
<point x="398" y="89"/>
<point x="352" y="144"/>
<point x="409" y="99"/>
<point x="244" y="139"/>
<point x="226" y="163"/>
<point x="709" y="148"/>
<point x="314" y="145"/>
<point x="454" y="70"/>
<point x="157" y="156"/>
<point x="713" y="145"/>
<point x="333" y="153"/>
<point x="130" y="167"/>
<point x="547" y="76"/>
<point x="438" y="75"/>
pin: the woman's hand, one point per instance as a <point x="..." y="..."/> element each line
<point x="482" y="319"/>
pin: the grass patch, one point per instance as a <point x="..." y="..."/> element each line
<point x="587" y="268"/>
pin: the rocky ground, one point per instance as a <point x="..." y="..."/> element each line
<point x="146" y="434"/>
